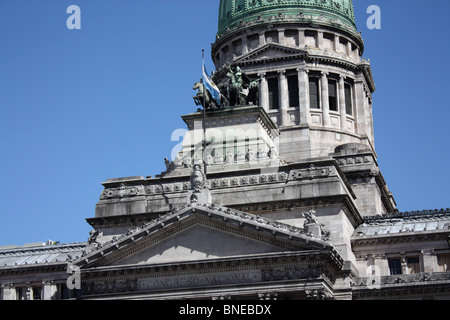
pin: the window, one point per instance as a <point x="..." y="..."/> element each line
<point x="274" y="100"/>
<point x="395" y="266"/>
<point x="314" y="93"/>
<point x="348" y="99"/>
<point x="293" y="91"/>
<point x="413" y="265"/>
<point x="21" y="294"/>
<point x="444" y="262"/>
<point x="332" y="95"/>
<point x="37" y="293"/>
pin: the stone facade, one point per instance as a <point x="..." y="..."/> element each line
<point x="287" y="201"/>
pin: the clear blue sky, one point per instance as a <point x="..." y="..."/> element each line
<point x="81" y="106"/>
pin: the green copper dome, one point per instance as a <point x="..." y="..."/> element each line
<point x="234" y="14"/>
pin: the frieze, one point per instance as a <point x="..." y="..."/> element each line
<point x="318" y="295"/>
<point x="359" y="159"/>
<point x="291" y="273"/>
<point x="199" y="280"/>
<point x="406" y="279"/>
<point x="176" y="187"/>
<point x="311" y="172"/>
<point x="109" y="286"/>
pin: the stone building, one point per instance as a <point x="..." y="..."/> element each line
<point x="286" y="201"/>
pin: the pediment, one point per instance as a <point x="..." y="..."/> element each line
<point x="198" y="243"/>
<point x="197" y="233"/>
<point x="271" y="52"/>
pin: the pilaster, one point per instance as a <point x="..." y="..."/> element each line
<point x="429" y="260"/>
<point x="360" y="105"/>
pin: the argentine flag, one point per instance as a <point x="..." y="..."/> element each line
<point x="210" y="86"/>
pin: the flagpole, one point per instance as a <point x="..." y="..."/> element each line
<point x="204" y="118"/>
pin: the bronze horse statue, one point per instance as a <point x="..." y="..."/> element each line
<point x="202" y="99"/>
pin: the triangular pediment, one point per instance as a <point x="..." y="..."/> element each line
<point x="271" y="52"/>
<point x="198" y="243"/>
<point x="200" y="232"/>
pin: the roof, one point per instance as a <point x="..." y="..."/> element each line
<point x="406" y="222"/>
<point x="39" y="255"/>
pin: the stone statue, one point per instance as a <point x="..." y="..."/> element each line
<point x="250" y="155"/>
<point x="199" y="192"/>
<point x="229" y="158"/>
<point x="314" y="227"/>
<point x="167" y="163"/>
<point x="310" y="217"/>
<point x="93" y="236"/>
<point x="198" y="179"/>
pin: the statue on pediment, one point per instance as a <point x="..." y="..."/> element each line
<point x="314" y="227"/>
<point x="238" y="81"/>
<point x="199" y="192"/>
<point x="198" y="179"/>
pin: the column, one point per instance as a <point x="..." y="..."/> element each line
<point x="284" y="98"/>
<point x="264" y="92"/>
<point x="325" y="102"/>
<point x="349" y="48"/>
<point x="341" y="103"/>
<point x="29" y="292"/>
<point x="301" y="39"/>
<point x="262" y="39"/>
<point x="48" y="290"/>
<point x="303" y="90"/>
<point x="244" y="45"/>
<point x="319" y="41"/>
<point x="281" y="38"/>
<point x="336" y="43"/>
<point x="9" y="292"/>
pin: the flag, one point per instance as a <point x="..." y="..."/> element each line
<point x="210" y="86"/>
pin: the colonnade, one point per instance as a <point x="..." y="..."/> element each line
<point x="304" y="109"/>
